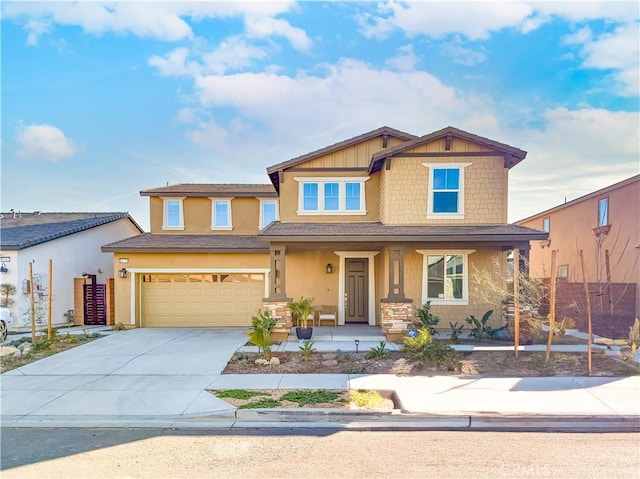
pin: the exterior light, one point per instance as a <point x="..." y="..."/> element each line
<point x="357" y="341"/>
<point x="329" y="268"/>
<point x="122" y="273"/>
<point x="3" y="268"/>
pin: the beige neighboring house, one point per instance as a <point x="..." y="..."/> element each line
<point x="605" y="226"/>
<point x="372" y="226"/>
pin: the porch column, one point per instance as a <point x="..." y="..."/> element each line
<point x="396" y="310"/>
<point x="396" y="276"/>
<point x="277" y="277"/>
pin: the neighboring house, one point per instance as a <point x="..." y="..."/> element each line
<point x="72" y="241"/>
<point x="605" y="225"/>
<point x="372" y="226"/>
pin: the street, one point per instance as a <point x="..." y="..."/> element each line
<point x="283" y="453"/>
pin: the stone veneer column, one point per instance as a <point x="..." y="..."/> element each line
<point x="282" y="313"/>
<point x="396" y="318"/>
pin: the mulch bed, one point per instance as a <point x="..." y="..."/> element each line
<point x="473" y="363"/>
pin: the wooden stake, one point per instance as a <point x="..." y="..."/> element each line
<point x="586" y="293"/>
<point x="49" y="325"/>
<point x="33" y="305"/>
<point x="552" y="301"/>
<point x="608" y="268"/>
<point x="516" y="301"/>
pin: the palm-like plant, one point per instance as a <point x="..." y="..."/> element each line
<point x="301" y="310"/>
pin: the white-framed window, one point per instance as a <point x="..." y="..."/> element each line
<point x="332" y="196"/>
<point x="268" y="212"/>
<point x="445" y="276"/>
<point x="172" y="214"/>
<point x="546" y="224"/>
<point x="603" y="212"/>
<point x="221" y="218"/>
<point x="445" y="190"/>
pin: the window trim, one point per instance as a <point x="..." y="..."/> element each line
<point x="600" y="200"/>
<point x="229" y="227"/>
<point x="165" y="212"/>
<point x="262" y="202"/>
<point x="461" y="193"/>
<point x="342" y="195"/>
<point x="464" y="301"/>
<point x="546" y="224"/>
<point x="566" y="268"/>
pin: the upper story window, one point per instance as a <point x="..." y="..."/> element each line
<point x="446" y="190"/>
<point x="173" y="214"/>
<point x="603" y="212"/>
<point x="332" y="196"/>
<point x="268" y="212"/>
<point x="221" y="218"/>
<point x="445" y="276"/>
<point x="546" y="224"/>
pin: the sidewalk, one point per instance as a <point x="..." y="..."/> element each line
<point x="160" y="378"/>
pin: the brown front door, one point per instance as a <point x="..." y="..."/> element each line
<point x="357" y="289"/>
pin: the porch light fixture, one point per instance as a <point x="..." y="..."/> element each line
<point x="329" y="268"/>
<point x="357" y="341"/>
<point x="3" y="268"/>
<point x="122" y="273"/>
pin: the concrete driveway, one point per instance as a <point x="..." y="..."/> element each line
<point x="141" y="372"/>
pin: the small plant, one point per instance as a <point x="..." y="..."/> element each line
<point x="262" y="333"/>
<point x="354" y="370"/>
<point x="456" y="330"/>
<point x="262" y="404"/>
<point x="303" y="398"/>
<point x="119" y="326"/>
<point x="479" y="328"/>
<point x="377" y="352"/>
<point x="300" y="310"/>
<point x="238" y="394"/>
<point x="425" y="320"/>
<point x="366" y="398"/>
<point x="634" y="336"/>
<point x="307" y="350"/>
<point x="415" y="344"/>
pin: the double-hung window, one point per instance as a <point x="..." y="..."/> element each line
<point x="546" y="224"/>
<point x="173" y="215"/>
<point x="603" y="212"/>
<point x="268" y="212"/>
<point x="445" y="190"/>
<point x="332" y="196"/>
<point x="221" y="218"/>
<point x="445" y="276"/>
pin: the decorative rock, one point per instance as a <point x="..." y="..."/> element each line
<point x="274" y="361"/>
<point x="261" y="361"/>
<point x="17" y="354"/>
<point x="6" y="351"/>
<point x="24" y="346"/>
<point x="329" y="362"/>
<point x="329" y="356"/>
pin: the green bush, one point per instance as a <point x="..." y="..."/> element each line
<point x="422" y="338"/>
<point x="300" y="310"/>
<point x="377" y="352"/>
<point x="425" y="320"/>
<point x="479" y="328"/>
<point x="303" y="398"/>
<point x="422" y="349"/>
<point x="456" y="330"/>
<point x="261" y="334"/>
<point x="306" y="350"/>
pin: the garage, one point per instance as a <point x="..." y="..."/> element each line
<point x="200" y="300"/>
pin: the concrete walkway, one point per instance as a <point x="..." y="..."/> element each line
<point x="159" y="378"/>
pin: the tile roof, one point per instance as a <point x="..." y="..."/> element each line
<point x="206" y="243"/>
<point x="211" y="189"/>
<point x="30" y="229"/>
<point x="336" y="232"/>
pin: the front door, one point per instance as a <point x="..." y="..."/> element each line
<point x="356" y="300"/>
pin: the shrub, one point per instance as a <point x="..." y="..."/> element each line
<point x="377" y="352"/>
<point x="262" y="332"/>
<point x="455" y="331"/>
<point x="479" y="328"/>
<point x="425" y="320"/>
<point x="366" y="398"/>
<point x="307" y="350"/>
<point x="422" y="338"/>
<point x="300" y="310"/>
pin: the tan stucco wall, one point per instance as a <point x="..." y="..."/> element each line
<point x="306" y="276"/>
<point x="571" y="229"/>
<point x="406" y="184"/>
<point x="197" y="216"/>
<point x="289" y="198"/>
<point x="174" y="261"/>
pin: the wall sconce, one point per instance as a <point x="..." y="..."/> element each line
<point x="122" y="273"/>
<point x="3" y="268"/>
<point x="329" y="268"/>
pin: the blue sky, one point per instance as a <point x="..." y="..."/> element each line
<point x="103" y="99"/>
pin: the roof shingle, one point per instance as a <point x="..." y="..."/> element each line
<point x="206" y="243"/>
<point x="211" y="189"/>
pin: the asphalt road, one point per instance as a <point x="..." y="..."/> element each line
<point x="119" y="453"/>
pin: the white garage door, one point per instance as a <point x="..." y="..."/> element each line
<point x="199" y="300"/>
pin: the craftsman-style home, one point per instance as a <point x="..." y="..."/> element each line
<point x="372" y="226"/>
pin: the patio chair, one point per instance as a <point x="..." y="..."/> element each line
<point x="328" y="314"/>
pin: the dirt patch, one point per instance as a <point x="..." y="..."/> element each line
<point x="472" y="364"/>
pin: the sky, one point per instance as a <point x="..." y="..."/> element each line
<point x="103" y="99"/>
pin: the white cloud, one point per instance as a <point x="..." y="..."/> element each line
<point x="458" y="53"/>
<point x="43" y="142"/>
<point x="173" y="64"/>
<point x="404" y="61"/>
<point x="233" y="54"/>
<point x="208" y="135"/>
<point x="265" y="27"/>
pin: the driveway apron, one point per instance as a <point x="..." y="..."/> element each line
<point x="150" y="372"/>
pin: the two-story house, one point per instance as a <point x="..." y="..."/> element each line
<point x="604" y="225"/>
<point x="373" y="226"/>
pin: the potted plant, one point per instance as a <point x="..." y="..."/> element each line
<point x="300" y="311"/>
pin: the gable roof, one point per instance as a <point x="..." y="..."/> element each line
<point x="384" y="130"/>
<point x="188" y="243"/>
<point x="212" y="189"/>
<point x="30" y="229"/>
<point x="600" y="192"/>
<point x="513" y="155"/>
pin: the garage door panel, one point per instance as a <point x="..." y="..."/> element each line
<point x="201" y="300"/>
